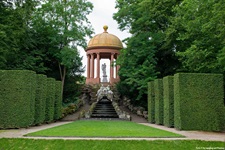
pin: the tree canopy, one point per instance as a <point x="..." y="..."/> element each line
<point x="168" y="36"/>
<point x="199" y="26"/>
<point x="44" y="36"/>
<point x="70" y="26"/>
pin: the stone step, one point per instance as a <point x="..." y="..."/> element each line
<point x="104" y="109"/>
<point x="108" y="108"/>
<point x="103" y="104"/>
<point x="104" y="116"/>
<point x="104" y="101"/>
<point x="104" y="113"/>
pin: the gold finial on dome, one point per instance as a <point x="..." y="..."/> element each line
<point x="105" y="27"/>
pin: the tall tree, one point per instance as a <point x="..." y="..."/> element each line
<point x="15" y="34"/>
<point x="43" y="36"/>
<point x="173" y="35"/>
<point x="147" y="55"/>
<point x="68" y="25"/>
<point x="198" y="28"/>
<point x="11" y="31"/>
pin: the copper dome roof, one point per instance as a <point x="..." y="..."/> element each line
<point x="105" y="40"/>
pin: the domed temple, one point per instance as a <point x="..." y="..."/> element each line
<point x="102" y="46"/>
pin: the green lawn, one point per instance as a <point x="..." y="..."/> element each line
<point x="87" y="128"/>
<point x="30" y="144"/>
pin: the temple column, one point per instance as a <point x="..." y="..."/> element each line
<point x="117" y="67"/>
<point x="117" y="70"/>
<point x="92" y="66"/>
<point x="111" y="66"/>
<point x="88" y="66"/>
<point x="98" y="65"/>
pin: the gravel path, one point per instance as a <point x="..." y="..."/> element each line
<point x="190" y="135"/>
<point x="19" y="133"/>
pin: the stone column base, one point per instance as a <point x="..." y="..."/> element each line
<point x="114" y="80"/>
<point x="104" y="78"/>
<point x="93" y="80"/>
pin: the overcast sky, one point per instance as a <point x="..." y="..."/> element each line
<point x="102" y="15"/>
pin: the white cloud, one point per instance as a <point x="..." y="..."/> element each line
<point x="101" y="15"/>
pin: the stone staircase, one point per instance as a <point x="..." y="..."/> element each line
<point x="104" y="109"/>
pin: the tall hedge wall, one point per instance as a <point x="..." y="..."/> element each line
<point x="17" y="98"/>
<point x="40" y="101"/>
<point x="168" y="101"/>
<point x="158" y="87"/>
<point x="58" y="100"/>
<point x="151" y="102"/>
<point x="198" y="101"/>
<point x="50" y="100"/>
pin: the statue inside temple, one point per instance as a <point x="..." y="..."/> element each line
<point x="104" y="73"/>
<point x="104" y="69"/>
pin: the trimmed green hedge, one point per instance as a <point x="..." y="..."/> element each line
<point x="168" y="101"/>
<point x="40" y="101"/>
<point x="31" y="87"/>
<point x="151" y="102"/>
<point x="198" y="102"/>
<point x="158" y="88"/>
<point x="58" y="100"/>
<point x="17" y="98"/>
<point x="50" y="100"/>
<point x="28" y="99"/>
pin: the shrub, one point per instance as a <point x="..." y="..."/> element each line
<point x="79" y="103"/>
<point x="58" y="100"/>
<point x="17" y="98"/>
<point x="40" y="101"/>
<point x="198" y="101"/>
<point x="158" y="88"/>
<point x="151" y="102"/>
<point x="69" y="109"/>
<point x="168" y="101"/>
<point x="50" y="100"/>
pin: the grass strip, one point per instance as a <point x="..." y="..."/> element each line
<point x="27" y="144"/>
<point x="87" y="128"/>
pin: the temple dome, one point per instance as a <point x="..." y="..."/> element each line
<point x="105" y="40"/>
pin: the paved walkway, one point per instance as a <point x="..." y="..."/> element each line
<point x="189" y="135"/>
<point x="196" y="135"/>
